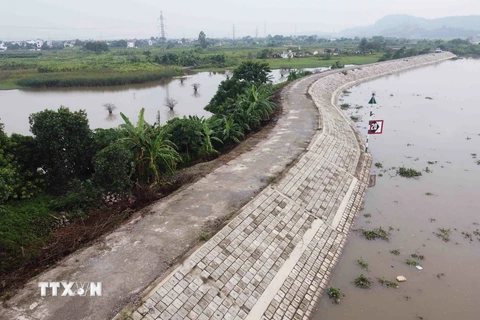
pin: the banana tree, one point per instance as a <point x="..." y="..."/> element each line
<point x="154" y="152"/>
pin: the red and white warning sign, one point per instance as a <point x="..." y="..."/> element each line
<point x="375" y="127"/>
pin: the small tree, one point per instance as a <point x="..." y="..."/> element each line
<point x="113" y="166"/>
<point x="362" y="47"/>
<point x="202" y="40"/>
<point x="254" y="72"/>
<point x="109" y="107"/>
<point x="170" y="103"/>
<point x="65" y="144"/>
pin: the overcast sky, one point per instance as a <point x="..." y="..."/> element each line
<point x="106" y="19"/>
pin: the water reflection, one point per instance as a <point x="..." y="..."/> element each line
<point x="111" y="117"/>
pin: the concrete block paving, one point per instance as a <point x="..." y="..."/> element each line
<point x="274" y="259"/>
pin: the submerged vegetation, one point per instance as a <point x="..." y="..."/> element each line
<point x="334" y="294"/>
<point x="361" y="281"/>
<point x="378" y="233"/>
<point x="408" y="172"/>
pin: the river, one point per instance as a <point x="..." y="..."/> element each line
<point x="17" y="105"/>
<point x="431" y="120"/>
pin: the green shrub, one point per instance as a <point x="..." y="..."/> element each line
<point x="65" y="145"/>
<point x="105" y="137"/>
<point x="18" y="176"/>
<point x="113" y="166"/>
<point x="186" y="134"/>
<point x="25" y="227"/>
<point x="253" y="72"/>
<point x="82" y="195"/>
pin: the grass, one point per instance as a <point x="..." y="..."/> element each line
<point x="411" y="262"/>
<point x="440" y="275"/>
<point x="467" y="235"/>
<point x="97" y="78"/>
<point x="25" y="227"/>
<point x="363" y="264"/>
<point x="417" y="256"/>
<point x="367" y="215"/>
<point x="317" y="62"/>
<point x="77" y="67"/>
<point x="428" y="194"/>
<point x="408" y="172"/>
<point x="334" y="294"/>
<point x="395" y="252"/>
<point x="378" y="233"/>
<point x="443" y="234"/>
<point x="204" y="236"/>
<point x="361" y="281"/>
<point x="378" y="165"/>
<point x="356" y="118"/>
<point x="387" y="283"/>
<point x="345" y="106"/>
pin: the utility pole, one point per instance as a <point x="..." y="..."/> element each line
<point x="265" y="29"/>
<point x="256" y="33"/>
<point x="233" y="32"/>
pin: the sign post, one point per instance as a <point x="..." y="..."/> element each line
<point x="371" y="103"/>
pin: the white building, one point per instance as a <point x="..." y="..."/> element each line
<point x="3" y="47"/>
<point x="68" y="45"/>
<point x="286" y="55"/>
<point x="131" y="44"/>
<point x="150" y="42"/>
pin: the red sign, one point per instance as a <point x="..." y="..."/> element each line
<point x="375" y="127"/>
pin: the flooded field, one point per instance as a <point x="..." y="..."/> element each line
<point x="17" y="105"/>
<point x="432" y="125"/>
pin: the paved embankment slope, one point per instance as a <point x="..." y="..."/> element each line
<point x="274" y="257"/>
<point x="273" y="260"/>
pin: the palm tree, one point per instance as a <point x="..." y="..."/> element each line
<point x="154" y="152"/>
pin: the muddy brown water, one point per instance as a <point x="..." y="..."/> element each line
<point x="446" y="131"/>
<point x="17" y="105"/>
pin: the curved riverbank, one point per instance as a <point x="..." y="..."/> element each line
<point x="274" y="257"/>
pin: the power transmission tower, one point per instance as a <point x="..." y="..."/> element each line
<point x="265" y="29"/>
<point x="162" y="27"/>
<point x="233" y="32"/>
<point x="256" y="33"/>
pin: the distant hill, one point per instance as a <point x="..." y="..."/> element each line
<point x="405" y="26"/>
